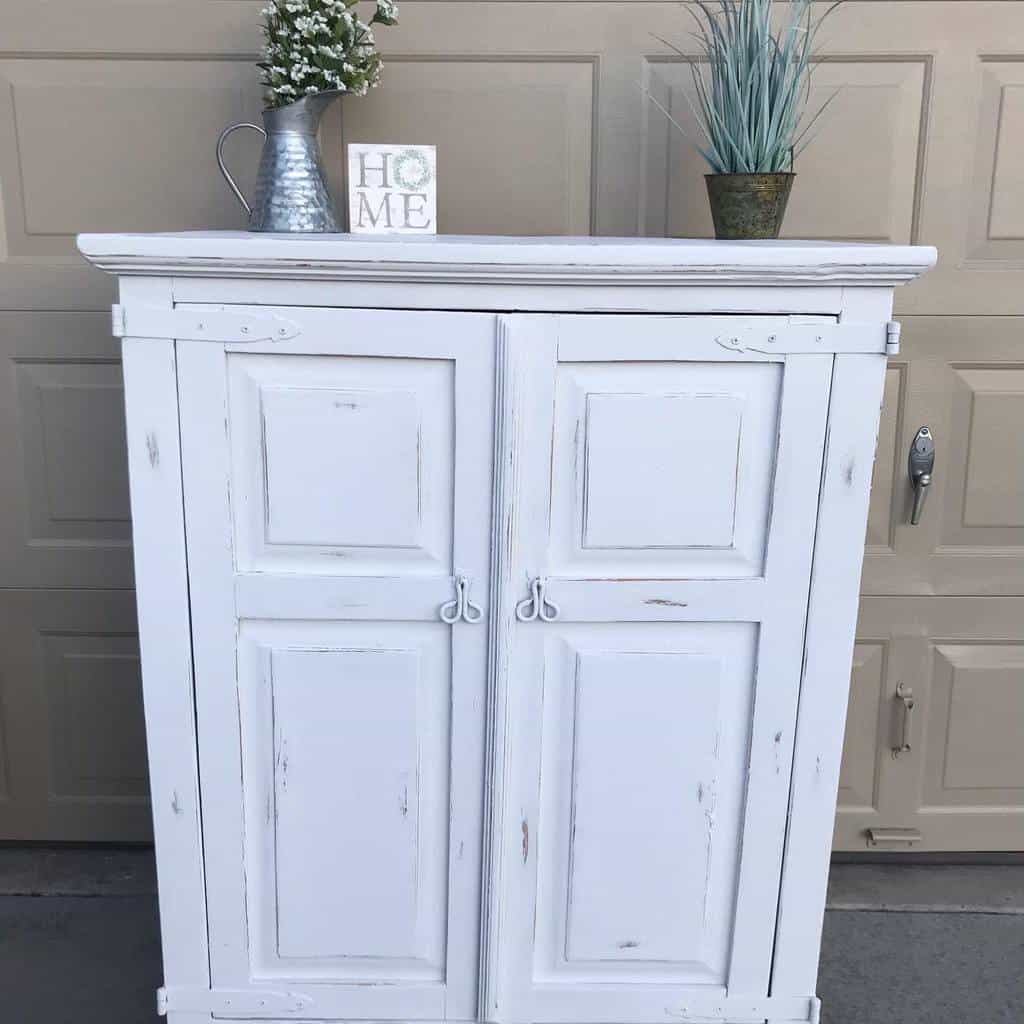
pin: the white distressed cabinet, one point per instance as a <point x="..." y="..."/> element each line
<point x="496" y="601"/>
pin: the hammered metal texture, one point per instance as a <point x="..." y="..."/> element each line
<point x="748" y="205"/>
<point x="291" y="190"/>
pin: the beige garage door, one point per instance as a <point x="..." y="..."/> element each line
<point x="941" y="612"/>
<point x="108" y="116"/>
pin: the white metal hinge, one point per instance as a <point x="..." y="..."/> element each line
<point x="183" y="324"/>
<point x="892" y="338"/>
<point x="800" y="336"/>
<point x="788" y="1009"/>
<point x="225" y="1002"/>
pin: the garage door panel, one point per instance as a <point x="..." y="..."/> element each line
<point x="63" y="466"/>
<point x="72" y="739"/>
<point x="960" y="785"/>
<point x="964" y="378"/>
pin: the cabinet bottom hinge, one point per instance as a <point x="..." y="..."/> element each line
<point x="225" y="1002"/>
<point x="788" y="1009"/>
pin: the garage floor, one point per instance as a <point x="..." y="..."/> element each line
<point x="903" y="944"/>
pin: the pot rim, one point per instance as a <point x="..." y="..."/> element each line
<point x="752" y="174"/>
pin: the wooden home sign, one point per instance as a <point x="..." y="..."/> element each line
<point x="392" y="189"/>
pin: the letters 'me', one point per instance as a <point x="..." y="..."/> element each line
<point x="410" y="205"/>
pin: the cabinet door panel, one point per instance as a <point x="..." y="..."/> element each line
<point x="342" y="465"/>
<point x="345" y="731"/>
<point x="336" y="485"/>
<point x="644" y="739"/>
<point x="663" y="467"/>
<point x="645" y="721"/>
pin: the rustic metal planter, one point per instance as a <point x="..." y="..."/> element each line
<point x="748" y="205"/>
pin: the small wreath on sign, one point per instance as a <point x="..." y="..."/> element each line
<point x="412" y="171"/>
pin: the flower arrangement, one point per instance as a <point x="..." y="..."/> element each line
<point x="752" y="99"/>
<point x="317" y="46"/>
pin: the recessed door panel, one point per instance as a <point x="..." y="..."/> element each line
<point x="345" y="732"/>
<point x="343" y="464"/>
<point x="663" y="467"/>
<point x="645" y="732"/>
<point x="950" y="768"/>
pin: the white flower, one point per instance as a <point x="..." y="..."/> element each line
<point x="301" y="34"/>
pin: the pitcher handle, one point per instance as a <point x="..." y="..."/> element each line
<point x="223" y="169"/>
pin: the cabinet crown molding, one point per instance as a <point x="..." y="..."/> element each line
<point x="479" y="259"/>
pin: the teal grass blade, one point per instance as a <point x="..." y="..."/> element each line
<point x="751" y="83"/>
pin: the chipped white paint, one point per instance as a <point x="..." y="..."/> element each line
<point x="471" y="258"/>
<point x="644" y="782"/>
<point x="604" y="697"/>
<point x="151" y="398"/>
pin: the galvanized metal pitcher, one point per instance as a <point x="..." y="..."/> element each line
<point x="291" y="191"/>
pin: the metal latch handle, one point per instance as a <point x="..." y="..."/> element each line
<point x="920" y="464"/>
<point x="538" y="605"/>
<point x="461" y="606"/>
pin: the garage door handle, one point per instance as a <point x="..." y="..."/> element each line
<point x="905" y="695"/>
<point x="920" y="465"/>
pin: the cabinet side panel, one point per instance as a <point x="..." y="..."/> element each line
<point x="838" y="554"/>
<point x="165" y="639"/>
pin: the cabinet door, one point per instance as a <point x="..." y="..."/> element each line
<point x="336" y="486"/>
<point x="665" y="489"/>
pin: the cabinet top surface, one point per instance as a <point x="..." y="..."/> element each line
<point x="491" y="259"/>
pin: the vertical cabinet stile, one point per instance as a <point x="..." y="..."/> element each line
<point x="154" y="459"/>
